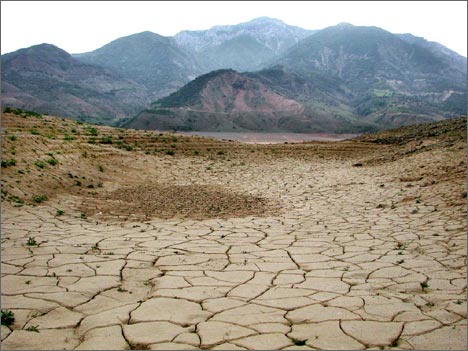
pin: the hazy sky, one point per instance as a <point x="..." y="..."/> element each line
<point x="81" y="26"/>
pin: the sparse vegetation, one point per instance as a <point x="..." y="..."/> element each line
<point x="68" y="137"/>
<point x="22" y="113"/>
<point x="59" y="213"/>
<point x="18" y="202"/>
<point x="8" y="163"/>
<point x="33" y="328"/>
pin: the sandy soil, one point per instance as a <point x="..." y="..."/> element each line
<point x="223" y="245"/>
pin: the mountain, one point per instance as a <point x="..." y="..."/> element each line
<point x="391" y="80"/>
<point x="150" y="59"/>
<point x="47" y="79"/>
<point x="344" y="78"/>
<point x="450" y="57"/>
<point x="226" y="100"/>
<point x="243" y="47"/>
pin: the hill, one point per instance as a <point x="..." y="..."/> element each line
<point x="226" y="100"/>
<point x="49" y="80"/>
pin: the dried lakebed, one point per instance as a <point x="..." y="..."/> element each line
<point x="272" y="138"/>
<point x="354" y="258"/>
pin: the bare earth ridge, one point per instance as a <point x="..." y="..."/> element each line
<point x="146" y="240"/>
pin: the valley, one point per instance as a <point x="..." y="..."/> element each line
<point x="121" y="239"/>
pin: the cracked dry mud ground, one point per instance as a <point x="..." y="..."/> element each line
<point x="370" y="257"/>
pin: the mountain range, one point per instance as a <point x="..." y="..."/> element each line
<point x="263" y="75"/>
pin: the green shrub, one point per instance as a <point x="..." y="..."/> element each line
<point x="59" y="213"/>
<point x="39" y="164"/>
<point x="31" y="241"/>
<point x="34" y="131"/>
<point x="52" y="161"/>
<point x="106" y="140"/>
<point x="12" y="137"/>
<point x="170" y="152"/>
<point x="92" y="131"/>
<point x="39" y="198"/>
<point x="8" y="317"/>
